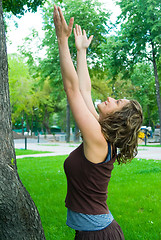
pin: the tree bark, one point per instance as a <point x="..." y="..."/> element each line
<point x="19" y="217"/>
<point x="22" y="122"/>
<point x="76" y="134"/>
<point x="149" y="117"/>
<point x="46" y="121"/>
<point x="157" y="86"/>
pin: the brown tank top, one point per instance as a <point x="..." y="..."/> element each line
<point x="87" y="183"/>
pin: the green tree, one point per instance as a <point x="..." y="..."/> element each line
<point x="18" y="7"/>
<point x="101" y="87"/>
<point x="115" y="57"/>
<point x="140" y="30"/>
<point x="20" y="83"/>
<point x="32" y="101"/>
<point x="116" y="65"/>
<point x="19" y="218"/>
<point x="47" y="105"/>
<point x="129" y="79"/>
<point x="144" y="91"/>
<point x="31" y="56"/>
<point x="43" y="94"/>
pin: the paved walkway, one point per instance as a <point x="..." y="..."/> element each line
<point x="66" y="148"/>
<point x="54" y="149"/>
<point x="149" y="153"/>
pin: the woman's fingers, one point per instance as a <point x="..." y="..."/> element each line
<point x="79" y="30"/>
<point x="90" y="38"/>
<point x="61" y="15"/>
<point x="70" y="26"/>
<point x="60" y="22"/>
<point x="59" y="18"/>
<point x="55" y="14"/>
<point x="74" y="32"/>
<point x="84" y="33"/>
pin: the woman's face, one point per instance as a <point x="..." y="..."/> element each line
<point x="110" y="106"/>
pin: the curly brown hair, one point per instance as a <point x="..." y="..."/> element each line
<point x="121" y="129"/>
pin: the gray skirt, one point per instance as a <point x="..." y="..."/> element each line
<point x="111" y="232"/>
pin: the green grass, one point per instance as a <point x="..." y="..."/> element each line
<point x="147" y="145"/>
<point x="28" y="152"/>
<point x="134" y="196"/>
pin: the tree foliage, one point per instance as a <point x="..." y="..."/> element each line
<point x="31" y="100"/>
<point x="141" y="26"/>
<point x="144" y="91"/>
<point x="20" y="84"/>
<point x="140" y="22"/>
<point x="91" y="18"/>
<point x="19" y="7"/>
<point x="119" y="65"/>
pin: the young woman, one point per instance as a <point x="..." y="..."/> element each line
<point x="88" y="168"/>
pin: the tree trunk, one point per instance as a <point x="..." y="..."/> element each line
<point x="19" y="218"/>
<point x="68" y="123"/>
<point x="27" y="123"/>
<point x="76" y="134"/>
<point x="157" y="86"/>
<point x="22" y="122"/>
<point x="149" y="116"/>
<point x="45" y="121"/>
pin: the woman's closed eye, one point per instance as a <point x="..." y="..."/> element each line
<point x="119" y="101"/>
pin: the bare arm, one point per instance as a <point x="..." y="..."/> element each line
<point x="95" y="146"/>
<point x="82" y="43"/>
<point x="63" y="31"/>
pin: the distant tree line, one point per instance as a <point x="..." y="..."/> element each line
<point x="123" y="64"/>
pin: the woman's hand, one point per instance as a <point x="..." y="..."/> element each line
<point x="63" y="31"/>
<point x="81" y="40"/>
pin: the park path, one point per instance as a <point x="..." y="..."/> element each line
<point x="65" y="148"/>
<point x="149" y="153"/>
<point x="54" y="148"/>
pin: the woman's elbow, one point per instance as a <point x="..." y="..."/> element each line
<point x="70" y="91"/>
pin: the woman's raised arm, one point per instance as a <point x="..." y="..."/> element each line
<point x="63" y="31"/>
<point x="94" y="143"/>
<point x="82" y="43"/>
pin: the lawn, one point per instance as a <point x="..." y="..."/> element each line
<point x="28" y="152"/>
<point x="134" y="196"/>
<point x="148" y="145"/>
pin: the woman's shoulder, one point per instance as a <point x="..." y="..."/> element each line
<point x="96" y="151"/>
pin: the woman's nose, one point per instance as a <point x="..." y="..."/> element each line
<point x="109" y="99"/>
